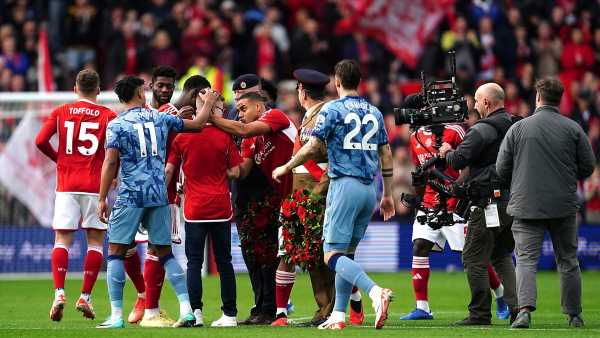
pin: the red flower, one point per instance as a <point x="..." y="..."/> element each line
<point x="286" y="209"/>
<point x="261" y="221"/>
<point x="302" y="213"/>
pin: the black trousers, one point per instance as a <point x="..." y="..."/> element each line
<point x="195" y="239"/>
<point x="262" y="278"/>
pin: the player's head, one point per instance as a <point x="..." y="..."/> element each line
<point x="87" y="83"/>
<point x="163" y="84"/>
<point x="191" y="87"/>
<point x="130" y="90"/>
<point x="347" y="75"/>
<point x="489" y="97"/>
<point x="269" y="91"/>
<point x="250" y="106"/>
<point x="246" y="83"/>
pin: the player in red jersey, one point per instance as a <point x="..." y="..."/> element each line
<point x="269" y="138"/>
<point x="81" y="128"/>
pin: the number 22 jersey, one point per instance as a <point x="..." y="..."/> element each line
<point x="353" y="130"/>
<point x="140" y="135"/>
<point x="81" y="128"/>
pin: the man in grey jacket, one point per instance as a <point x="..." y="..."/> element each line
<point x="545" y="155"/>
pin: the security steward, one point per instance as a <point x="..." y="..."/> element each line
<point x="489" y="237"/>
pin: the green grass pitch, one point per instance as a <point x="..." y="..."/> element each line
<point x="25" y="304"/>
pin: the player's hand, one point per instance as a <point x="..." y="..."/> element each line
<point x="102" y="212"/>
<point x="278" y="172"/>
<point x="207" y="95"/>
<point x="444" y="149"/>
<point x="387" y="208"/>
<point x="186" y="112"/>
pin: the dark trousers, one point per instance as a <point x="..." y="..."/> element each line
<point x="482" y="246"/>
<point x="323" y="284"/>
<point x="195" y="238"/>
<point x="262" y="278"/>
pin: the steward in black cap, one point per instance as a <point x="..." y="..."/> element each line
<point x="246" y="81"/>
<point x="311" y="80"/>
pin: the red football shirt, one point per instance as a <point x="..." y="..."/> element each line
<point x="81" y="128"/>
<point x="205" y="157"/>
<point x="453" y="135"/>
<point x="169" y="108"/>
<point x="273" y="149"/>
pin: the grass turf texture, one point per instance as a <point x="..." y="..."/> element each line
<point x="25" y="305"/>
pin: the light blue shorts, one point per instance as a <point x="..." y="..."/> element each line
<point x="350" y="204"/>
<point x="124" y="222"/>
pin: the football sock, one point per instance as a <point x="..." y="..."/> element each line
<point x="284" y="282"/>
<point x="59" y="263"/>
<point x="154" y="277"/>
<point x="177" y="278"/>
<point x="495" y="282"/>
<point x="343" y="289"/>
<point x="149" y="313"/>
<point x="353" y="273"/>
<point x="115" y="278"/>
<point x="91" y="267"/>
<point x="133" y="267"/>
<point x="420" y="279"/>
<point x="337" y="316"/>
<point x="58" y="293"/>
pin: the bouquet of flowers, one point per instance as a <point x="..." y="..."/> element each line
<point x="302" y="228"/>
<point x="257" y="228"/>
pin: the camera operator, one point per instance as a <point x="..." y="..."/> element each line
<point x="489" y="236"/>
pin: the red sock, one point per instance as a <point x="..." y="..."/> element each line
<point x="154" y="274"/>
<point x="133" y="267"/>
<point x="91" y="267"/>
<point x="494" y="280"/>
<point x="420" y="273"/>
<point x="60" y="263"/>
<point x="284" y="282"/>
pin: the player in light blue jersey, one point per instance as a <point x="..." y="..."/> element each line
<point x="353" y="132"/>
<point x="137" y="140"/>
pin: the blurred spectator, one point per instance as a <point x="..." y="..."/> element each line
<point x="309" y="49"/>
<point x="464" y="42"/>
<point x="126" y="54"/>
<point x="80" y="36"/>
<point x="547" y="50"/>
<point x="161" y="51"/>
<point x="13" y="60"/>
<point x="577" y="57"/>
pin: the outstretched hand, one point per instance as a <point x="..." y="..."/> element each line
<point x="387" y="208"/>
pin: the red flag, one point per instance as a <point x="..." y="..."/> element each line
<point x="403" y="26"/>
<point x="45" y="79"/>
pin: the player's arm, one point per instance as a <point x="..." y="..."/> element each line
<point x="205" y="100"/>
<point x="245" y="167"/>
<point x="109" y="172"/>
<point x="240" y="129"/>
<point x="310" y="151"/>
<point x="42" y="141"/>
<point x="386" y="207"/>
<point x="169" y="171"/>
<point x="233" y="173"/>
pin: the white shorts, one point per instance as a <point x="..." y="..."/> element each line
<point x="142" y="234"/>
<point x="454" y="235"/>
<point x="71" y="210"/>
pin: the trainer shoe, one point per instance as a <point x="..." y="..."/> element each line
<point x="186" y="321"/>
<point x="502" y="310"/>
<point x="225" y="321"/>
<point x="199" y="318"/>
<point x="112" y="324"/>
<point x="357" y="318"/>
<point x="282" y="320"/>
<point x="137" y="313"/>
<point x="472" y="322"/>
<point x="56" y="311"/>
<point x="576" y="321"/>
<point x="523" y="320"/>
<point x="332" y="324"/>
<point x="381" y="306"/>
<point x="160" y="320"/>
<point x="417" y="314"/>
<point x="86" y="308"/>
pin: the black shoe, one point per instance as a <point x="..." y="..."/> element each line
<point x="576" y="321"/>
<point x="264" y="319"/>
<point x="251" y="320"/>
<point x="522" y="321"/>
<point x="513" y="316"/>
<point x="472" y="321"/>
<point x="317" y="321"/>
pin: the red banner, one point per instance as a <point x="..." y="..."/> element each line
<point x="403" y="26"/>
<point x="45" y="78"/>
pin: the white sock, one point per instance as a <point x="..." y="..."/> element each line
<point x="184" y="308"/>
<point x="85" y="296"/>
<point x="116" y="312"/>
<point x="59" y="292"/>
<point x="151" y="312"/>
<point x="338" y="316"/>
<point x="356" y="296"/>
<point x="375" y="293"/>
<point x="281" y="310"/>
<point x="142" y="295"/>
<point x="499" y="292"/>
<point x="423" y="305"/>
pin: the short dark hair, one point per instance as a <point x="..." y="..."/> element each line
<point x="87" y="81"/>
<point x="348" y="72"/>
<point x="253" y="96"/>
<point x="164" y="71"/>
<point x="316" y="94"/>
<point x="270" y="89"/>
<point x="196" y="82"/>
<point x="550" y="90"/>
<point x="126" y="87"/>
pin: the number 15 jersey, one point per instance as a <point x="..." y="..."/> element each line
<point x="140" y="135"/>
<point x="353" y="130"/>
<point x="81" y="128"/>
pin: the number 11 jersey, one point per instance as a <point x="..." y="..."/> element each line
<point x="140" y="135"/>
<point x="353" y="130"/>
<point x="81" y="128"/>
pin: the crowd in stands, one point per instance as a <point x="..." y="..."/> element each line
<point x="511" y="42"/>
